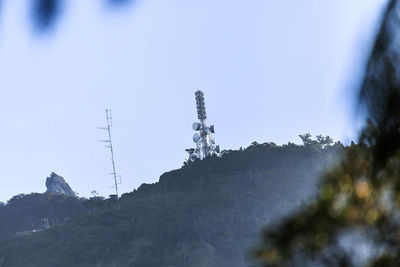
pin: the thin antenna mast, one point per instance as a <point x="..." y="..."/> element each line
<point x="110" y="146"/>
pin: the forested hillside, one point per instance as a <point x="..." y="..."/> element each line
<point x="208" y="213"/>
<point x="23" y="212"/>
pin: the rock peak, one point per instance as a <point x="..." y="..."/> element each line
<point x="57" y="185"/>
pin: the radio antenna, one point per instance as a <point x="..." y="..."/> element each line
<point x="110" y="146"/>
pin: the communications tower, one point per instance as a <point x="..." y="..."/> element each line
<point x="205" y="143"/>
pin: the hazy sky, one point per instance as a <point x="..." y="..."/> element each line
<point x="270" y="70"/>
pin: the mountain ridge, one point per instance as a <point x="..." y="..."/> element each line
<point x="208" y="213"/>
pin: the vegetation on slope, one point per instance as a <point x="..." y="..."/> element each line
<point x="208" y="213"/>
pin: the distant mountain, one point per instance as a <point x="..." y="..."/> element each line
<point x="208" y="213"/>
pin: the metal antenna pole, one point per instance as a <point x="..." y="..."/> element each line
<point x="109" y="124"/>
<point x="109" y="141"/>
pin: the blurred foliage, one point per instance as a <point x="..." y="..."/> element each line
<point x="380" y="92"/>
<point x="45" y="13"/>
<point x="355" y="220"/>
<point x="208" y="213"/>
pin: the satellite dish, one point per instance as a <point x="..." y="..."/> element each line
<point x="196" y="137"/>
<point x="196" y="126"/>
<point x="212" y="129"/>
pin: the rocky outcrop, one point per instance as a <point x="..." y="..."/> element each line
<point x="57" y="185"/>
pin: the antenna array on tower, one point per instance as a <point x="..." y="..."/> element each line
<point x="201" y="105"/>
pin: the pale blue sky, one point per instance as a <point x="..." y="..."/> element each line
<point x="270" y="70"/>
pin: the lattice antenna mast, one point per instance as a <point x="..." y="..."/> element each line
<point x="202" y="116"/>
<point x="110" y="146"/>
<point x="205" y="144"/>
